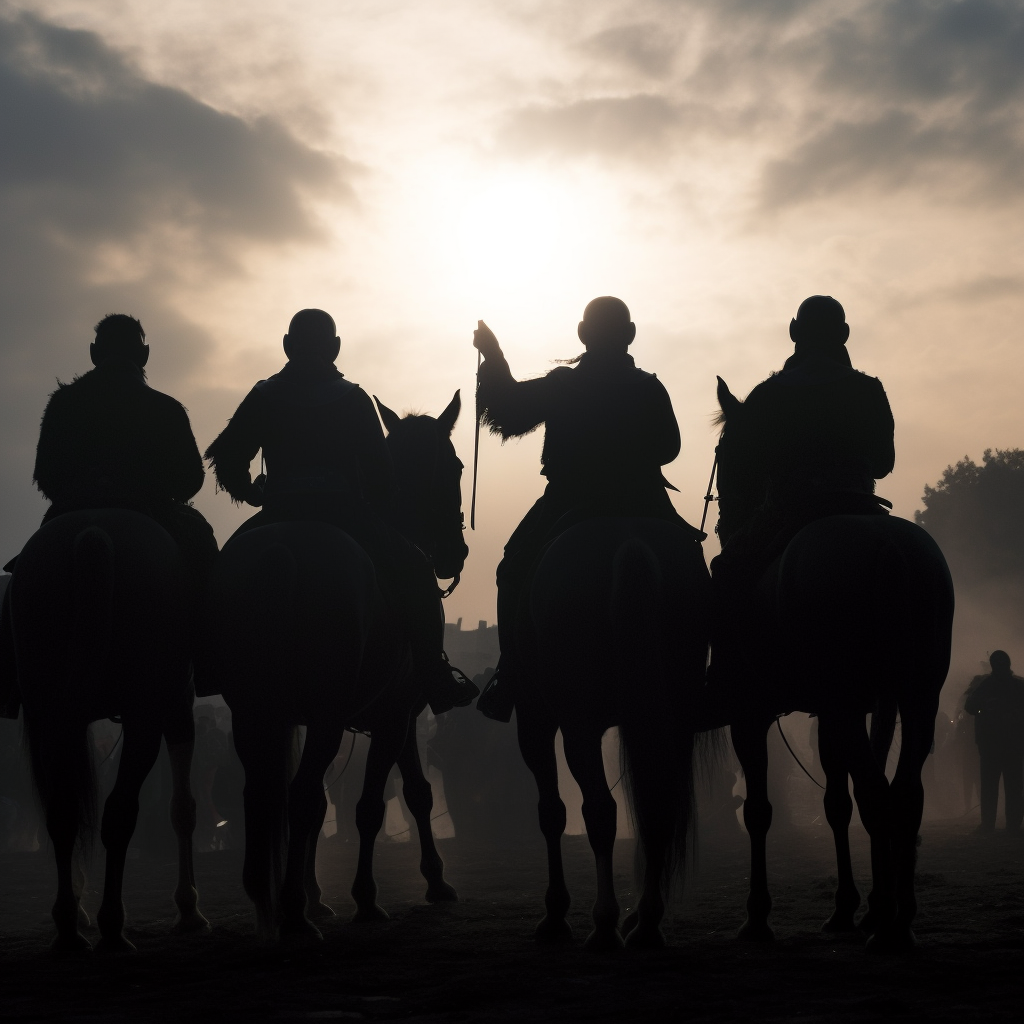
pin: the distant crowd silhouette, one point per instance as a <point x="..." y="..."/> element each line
<point x="323" y="610"/>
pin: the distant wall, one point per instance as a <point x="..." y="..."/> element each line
<point x="471" y="650"/>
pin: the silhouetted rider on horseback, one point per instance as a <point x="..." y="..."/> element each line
<point x="327" y="460"/>
<point x="609" y="430"/>
<point x="808" y="442"/>
<point x="109" y="440"/>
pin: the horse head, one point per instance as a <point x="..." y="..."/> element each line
<point x="429" y="476"/>
<point x="740" y="475"/>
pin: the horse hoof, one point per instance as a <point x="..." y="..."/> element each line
<point x="866" y="924"/>
<point x="891" y="940"/>
<point x="300" y="930"/>
<point x="839" y="924"/>
<point x="629" y="923"/>
<point x="71" y="945"/>
<point x="84" y="921"/>
<point x="756" y="931"/>
<point x="367" y="915"/>
<point x="442" y="892"/>
<point x="645" y="938"/>
<point x="192" y="923"/>
<point x="603" y="940"/>
<point x="116" y="945"/>
<point x="319" y="911"/>
<point x="553" y="931"/>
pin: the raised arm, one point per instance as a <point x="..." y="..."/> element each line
<point x="508" y="406"/>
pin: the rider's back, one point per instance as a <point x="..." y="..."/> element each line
<point x="109" y="436"/>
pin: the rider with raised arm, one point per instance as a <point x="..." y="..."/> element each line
<point x="609" y="428"/>
<point x="808" y="442"/>
<point x="327" y="460"/>
<point x="109" y="440"/>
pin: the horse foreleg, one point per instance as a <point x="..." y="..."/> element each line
<point x="583" y="756"/>
<point x="537" y="745"/>
<point x="385" y="746"/>
<point x="141" y="746"/>
<point x="906" y="794"/>
<point x="749" y="740"/>
<point x="838" y="813"/>
<point x="180" y="737"/>
<point x="307" y="805"/>
<point x="420" y="800"/>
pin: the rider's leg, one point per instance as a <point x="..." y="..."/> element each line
<point x="498" y="700"/>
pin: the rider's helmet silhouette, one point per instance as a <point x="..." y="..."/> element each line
<point x="109" y="440"/>
<point x="609" y="429"/>
<point x="327" y="460"/>
<point x="808" y="442"/>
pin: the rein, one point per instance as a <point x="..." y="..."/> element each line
<point x="710" y="496"/>
<point x="778" y="723"/>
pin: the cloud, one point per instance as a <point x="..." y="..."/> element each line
<point x="114" y="191"/>
<point x="619" y="128"/>
<point x="643" y="47"/>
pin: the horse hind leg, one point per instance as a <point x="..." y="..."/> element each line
<point x="750" y="743"/>
<point x="537" y="745"/>
<point x="419" y="798"/>
<point x="60" y="771"/>
<point x="838" y="813"/>
<point x="906" y="795"/>
<point x="583" y="756"/>
<point x="307" y="805"/>
<point x="141" y="746"/>
<point x="180" y="737"/>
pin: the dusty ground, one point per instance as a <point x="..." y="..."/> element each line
<point x="476" y="961"/>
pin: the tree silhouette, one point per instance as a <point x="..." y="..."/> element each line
<point x="976" y="513"/>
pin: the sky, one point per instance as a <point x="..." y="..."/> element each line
<point x="414" y="167"/>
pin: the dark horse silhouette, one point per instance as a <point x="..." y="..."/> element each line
<point x="304" y="638"/>
<point x="859" y="613"/>
<point x="99" y="629"/>
<point x="616" y="635"/>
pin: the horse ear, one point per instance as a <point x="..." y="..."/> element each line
<point x="391" y="419"/>
<point x="446" y="421"/>
<point x="727" y="400"/>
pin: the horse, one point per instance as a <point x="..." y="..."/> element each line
<point x="615" y="633"/>
<point x="304" y="638"/>
<point x="100" y="628"/>
<point x="859" y="612"/>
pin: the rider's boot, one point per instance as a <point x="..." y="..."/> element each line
<point x="498" y="699"/>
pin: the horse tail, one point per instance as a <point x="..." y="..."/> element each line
<point x="656" y="747"/>
<point x="61" y="756"/>
<point x="268" y="742"/>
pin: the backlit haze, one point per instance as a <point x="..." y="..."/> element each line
<point x="412" y="167"/>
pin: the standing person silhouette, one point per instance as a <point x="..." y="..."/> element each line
<point x="609" y="428"/>
<point x="811" y="440"/>
<point x="997" y="703"/>
<point x="327" y="460"/>
<point x="109" y="440"/>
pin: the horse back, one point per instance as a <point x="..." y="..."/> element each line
<point x="617" y="600"/>
<point x="867" y="598"/>
<point x="98" y="613"/>
<point x="296" y="622"/>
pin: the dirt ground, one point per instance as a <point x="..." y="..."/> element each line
<point x="476" y="960"/>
